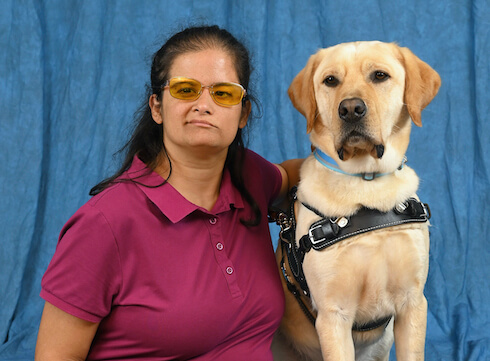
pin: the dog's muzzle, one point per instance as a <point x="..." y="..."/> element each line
<point x="378" y="149"/>
<point x="352" y="110"/>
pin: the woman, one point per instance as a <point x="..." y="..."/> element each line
<point x="172" y="258"/>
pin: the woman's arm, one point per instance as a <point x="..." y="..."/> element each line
<point x="290" y="177"/>
<point x="63" y="336"/>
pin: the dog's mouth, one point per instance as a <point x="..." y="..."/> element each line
<point x="358" y="144"/>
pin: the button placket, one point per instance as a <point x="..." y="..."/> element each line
<point x="221" y="255"/>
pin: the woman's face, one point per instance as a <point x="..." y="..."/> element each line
<point x="199" y="125"/>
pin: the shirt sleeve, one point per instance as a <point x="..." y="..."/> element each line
<point x="262" y="174"/>
<point x="84" y="274"/>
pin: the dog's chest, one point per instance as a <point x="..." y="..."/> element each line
<point x="380" y="269"/>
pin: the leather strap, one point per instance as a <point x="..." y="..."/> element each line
<point x="328" y="231"/>
<point x="296" y="293"/>
<point x="294" y="255"/>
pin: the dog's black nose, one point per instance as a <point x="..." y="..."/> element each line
<point x="352" y="110"/>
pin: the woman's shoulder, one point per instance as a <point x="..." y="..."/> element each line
<point x="118" y="199"/>
<point x="257" y="163"/>
<point x="112" y="200"/>
<point x="105" y="216"/>
<point x="261" y="174"/>
<point x="125" y="190"/>
<point x="253" y="159"/>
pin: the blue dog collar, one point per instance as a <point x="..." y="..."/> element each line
<point x="329" y="163"/>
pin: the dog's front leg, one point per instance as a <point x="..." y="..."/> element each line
<point x="410" y="326"/>
<point x="335" y="333"/>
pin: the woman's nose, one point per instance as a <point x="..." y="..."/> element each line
<point x="205" y="102"/>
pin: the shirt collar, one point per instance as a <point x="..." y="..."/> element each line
<point x="170" y="202"/>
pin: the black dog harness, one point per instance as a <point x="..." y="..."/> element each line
<point x="329" y="231"/>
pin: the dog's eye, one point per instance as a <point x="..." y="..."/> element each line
<point x="379" y="76"/>
<point x="331" y="81"/>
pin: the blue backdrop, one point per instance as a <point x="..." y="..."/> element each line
<point x="73" y="72"/>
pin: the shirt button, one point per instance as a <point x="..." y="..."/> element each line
<point x="213" y="220"/>
<point x="219" y="246"/>
<point x="229" y="270"/>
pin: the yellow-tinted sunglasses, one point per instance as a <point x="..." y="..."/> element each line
<point x="225" y="94"/>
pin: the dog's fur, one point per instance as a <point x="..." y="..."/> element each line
<point x="379" y="273"/>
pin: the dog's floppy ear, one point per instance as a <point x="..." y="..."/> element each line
<point x="421" y="85"/>
<point x="302" y="92"/>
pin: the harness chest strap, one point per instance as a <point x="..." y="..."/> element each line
<point x="327" y="231"/>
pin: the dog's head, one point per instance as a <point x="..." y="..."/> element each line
<point x="358" y="99"/>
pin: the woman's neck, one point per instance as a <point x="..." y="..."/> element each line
<point x="198" y="179"/>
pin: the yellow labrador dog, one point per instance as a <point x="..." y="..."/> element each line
<point x="356" y="264"/>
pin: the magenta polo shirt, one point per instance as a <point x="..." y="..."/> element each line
<point x="166" y="279"/>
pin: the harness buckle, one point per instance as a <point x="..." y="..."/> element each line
<point x="333" y="229"/>
<point x="312" y="238"/>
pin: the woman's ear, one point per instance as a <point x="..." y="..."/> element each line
<point x="156" y="109"/>
<point x="246" y="109"/>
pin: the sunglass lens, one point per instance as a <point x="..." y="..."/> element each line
<point x="227" y="93"/>
<point x="186" y="89"/>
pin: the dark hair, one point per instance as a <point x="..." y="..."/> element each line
<point x="147" y="137"/>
